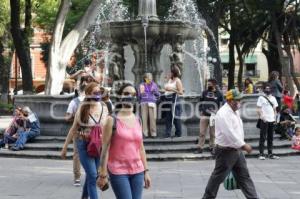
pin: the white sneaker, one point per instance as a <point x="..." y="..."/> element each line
<point x="274" y="157"/>
<point x="261" y="157"/>
<point x="77" y="183"/>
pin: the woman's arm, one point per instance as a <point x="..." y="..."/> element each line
<point x="179" y="87"/>
<point x="146" y="171"/>
<point x="106" y="139"/>
<point x="70" y="136"/>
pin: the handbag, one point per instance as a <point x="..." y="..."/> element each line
<point x="95" y="142"/>
<point x="258" y="124"/>
<point x="230" y="182"/>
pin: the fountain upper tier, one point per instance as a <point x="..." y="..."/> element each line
<point x="162" y="31"/>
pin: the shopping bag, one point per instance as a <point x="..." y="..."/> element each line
<point x="230" y="182"/>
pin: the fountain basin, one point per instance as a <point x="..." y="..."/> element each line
<point x="51" y="111"/>
<point x="133" y="31"/>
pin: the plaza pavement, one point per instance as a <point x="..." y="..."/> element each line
<point x="52" y="179"/>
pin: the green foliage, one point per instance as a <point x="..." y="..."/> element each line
<point x="162" y="7"/>
<point x="6" y="107"/>
<point x="77" y="10"/>
<point x="46" y="11"/>
<point x="4" y="16"/>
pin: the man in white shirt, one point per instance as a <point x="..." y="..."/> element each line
<point x="229" y="145"/>
<point x="266" y="108"/>
<point x="70" y="114"/>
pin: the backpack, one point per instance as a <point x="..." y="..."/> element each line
<point x="95" y="142"/>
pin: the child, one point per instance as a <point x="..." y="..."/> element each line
<point x="296" y="139"/>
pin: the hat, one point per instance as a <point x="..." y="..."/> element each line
<point x="233" y="94"/>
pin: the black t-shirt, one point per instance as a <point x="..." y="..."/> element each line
<point x="211" y="101"/>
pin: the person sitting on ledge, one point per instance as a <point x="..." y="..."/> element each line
<point x="32" y="132"/>
<point x="18" y="124"/>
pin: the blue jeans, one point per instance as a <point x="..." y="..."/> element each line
<point x="176" y="122"/>
<point x="24" y="136"/>
<point x="7" y="139"/>
<point x="127" y="186"/>
<point x="90" y="166"/>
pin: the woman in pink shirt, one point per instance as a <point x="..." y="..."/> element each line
<point x="123" y="152"/>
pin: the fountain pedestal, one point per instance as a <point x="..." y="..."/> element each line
<point x="159" y="33"/>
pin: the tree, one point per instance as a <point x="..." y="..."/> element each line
<point x="21" y="41"/>
<point x="62" y="49"/>
<point x="4" y="41"/>
<point x="280" y="24"/>
<point x="212" y="11"/>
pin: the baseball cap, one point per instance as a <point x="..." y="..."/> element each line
<point x="233" y="94"/>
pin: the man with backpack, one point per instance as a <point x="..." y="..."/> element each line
<point x="266" y="108"/>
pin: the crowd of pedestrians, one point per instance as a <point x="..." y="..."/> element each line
<point x="121" y="127"/>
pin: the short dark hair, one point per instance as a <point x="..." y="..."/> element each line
<point x="213" y="80"/>
<point x="267" y="84"/>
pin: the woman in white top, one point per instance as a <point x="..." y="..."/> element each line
<point x="172" y="89"/>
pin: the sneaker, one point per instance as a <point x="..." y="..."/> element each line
<point x="14" y="148"/>
<point x="77" y="183"/>
<point x="198" y="151"/>
<point x="272" y="156"/>
<point x="261" y="157"/>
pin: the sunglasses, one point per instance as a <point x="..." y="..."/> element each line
<point x="128" y="93"/>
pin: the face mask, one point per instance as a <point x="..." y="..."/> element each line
<point x="128" y="101"/>
<point x="96" y="97"/>
<point x="210" y="88"/>
<point x="267" y="92"/>
<point x="147" y="81"/>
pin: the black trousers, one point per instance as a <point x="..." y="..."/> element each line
<point x="266" y="133"/>
<point x="230" y="160"/>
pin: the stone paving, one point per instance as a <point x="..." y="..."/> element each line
<point x="52" y="179"/>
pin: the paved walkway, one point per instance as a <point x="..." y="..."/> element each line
<point x="52" y="179"/>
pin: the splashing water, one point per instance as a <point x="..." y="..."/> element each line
<point x="186" y="10"/>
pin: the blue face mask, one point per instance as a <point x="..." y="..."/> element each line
<point x="95" y="97"/>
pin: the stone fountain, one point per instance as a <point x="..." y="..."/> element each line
<point x="146" y="36"/>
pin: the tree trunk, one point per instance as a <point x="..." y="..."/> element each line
<point x="287" y="47"/>
<point x="285" y="70"/>
<point x="241" y="68"/>
<point x="231" y="69"/>
<point x="4" y="75"/>
<point x="212" y="18"/>
<point x="55" y="71"/>
<point x="61" y="51"/>
<point x="23" y="52"/>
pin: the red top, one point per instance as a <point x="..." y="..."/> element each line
<point x="288" y="100"/>
<point x="124" y="153"/>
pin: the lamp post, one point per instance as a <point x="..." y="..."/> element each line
<point x="145" y="23"/>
